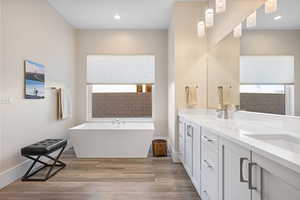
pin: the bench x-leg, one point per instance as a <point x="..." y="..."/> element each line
<point x="49" y="174"/>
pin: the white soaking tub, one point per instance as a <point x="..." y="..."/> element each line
<point x="112" y="140"/>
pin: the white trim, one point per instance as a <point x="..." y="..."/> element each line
<point x="289" y="99"/>
<point x="121" y="119"/>
<point x="11" y="175"/>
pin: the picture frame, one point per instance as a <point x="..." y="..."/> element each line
<point x="34" y="80"/>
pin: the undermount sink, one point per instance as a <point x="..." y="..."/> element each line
<point x="284" y="141"/>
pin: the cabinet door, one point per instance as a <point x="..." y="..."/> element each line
<point x="235" y="160"/>
<point x="274" y="182"/>
<point x="189" y="150"/>
<point x="197" y="157"/>
<point x="181" y="140"/>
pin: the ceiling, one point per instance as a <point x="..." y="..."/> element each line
<point x="99" y="14"/>
<point x="288" y="9"/>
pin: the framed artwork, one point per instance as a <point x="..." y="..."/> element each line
<point x="34" y="80"/>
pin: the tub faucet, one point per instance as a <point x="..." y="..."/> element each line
<point x="117" y="121"/>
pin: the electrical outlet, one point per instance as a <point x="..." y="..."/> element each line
<point x="5" y="100"/>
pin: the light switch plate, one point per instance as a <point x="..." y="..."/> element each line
<point x="5" y="100"/>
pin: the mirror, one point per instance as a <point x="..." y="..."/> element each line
<point x="270" y="60"/>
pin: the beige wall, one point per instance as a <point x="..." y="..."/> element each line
<point x="33" y="30"/>
<point x="275" y="43"/>
<point x="223" y="70"/>
<point x="187" y="61"/>
<point x="190" y="53"/>
<point x="154" y="42"/>
<point x="1" y="79"/>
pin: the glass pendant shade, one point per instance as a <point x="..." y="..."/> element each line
<point x="220" y="6"/>
<point x="201" y="29"/>
<point x="209" y="18"/>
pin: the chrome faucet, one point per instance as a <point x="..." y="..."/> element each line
<point x="223" y="111"/>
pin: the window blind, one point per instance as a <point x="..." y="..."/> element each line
<point x="267" y="69"/>
<point x="120" y="69"/>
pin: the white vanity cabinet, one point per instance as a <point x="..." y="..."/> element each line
<point x="181" y="133"/>
<point x="191" y="155"/>
<point x="249" y="176"/>
<point x="188" y="149"/>
<point x="273" y="181"/>
<point x="234" y="171"/>
<point x="224" y="168"/>
<point x="209" y="165"/>
<point x="197" y="157"/>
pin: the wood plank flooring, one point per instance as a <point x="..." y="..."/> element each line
<point x="109" y="179"/>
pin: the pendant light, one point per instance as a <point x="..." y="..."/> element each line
<point x="201" y="29"/>
<point x="251" y="20"/>
<point x="271" y="6"/>
<point x="220" y="6"/>
<point x="209" y="17"/>
<point x="237" y="31"/>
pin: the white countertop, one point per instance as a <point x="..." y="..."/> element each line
<point x="244" y="124"/>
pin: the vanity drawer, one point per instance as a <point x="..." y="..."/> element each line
<point x="210" y="178"/>
<point x="210" y="162"/>
<point x="209" y="140"/>
<point x="210" y="190"/>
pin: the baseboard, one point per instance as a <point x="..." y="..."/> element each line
<point x="11" y="175"/>
<point x="174" y="155"/>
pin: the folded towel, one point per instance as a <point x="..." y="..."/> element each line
<point x="191" y="96"/>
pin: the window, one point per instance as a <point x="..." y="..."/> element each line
<point x="120" y="101"/>
<point x="275" y="99"/>
<point x="120" y="86"/>
<point x="267" y="84"/>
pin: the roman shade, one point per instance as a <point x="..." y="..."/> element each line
<point x="120" y="69"/>
<point x="267" y="70"/>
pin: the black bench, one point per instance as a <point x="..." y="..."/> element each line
<point x="43" y="149"/>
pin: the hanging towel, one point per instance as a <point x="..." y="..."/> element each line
<point x="66" y="105"/>
<point x="64" y="108"/>
<point x="191" y="96"/>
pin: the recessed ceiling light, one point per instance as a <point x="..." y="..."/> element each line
<point x="117" y="16"/>
<point x="277" y="17"/>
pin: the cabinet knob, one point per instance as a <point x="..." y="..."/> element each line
<point x="242" y="179"/>
<point x="250" y="184"/>
<point x="206" y="193"/>
<point x="207" y="139"/>
<point x="208" y="165"/>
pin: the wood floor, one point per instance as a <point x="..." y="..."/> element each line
<point x="109" y="179"/>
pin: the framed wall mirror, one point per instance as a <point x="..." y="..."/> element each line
<point x="269" y="68"/>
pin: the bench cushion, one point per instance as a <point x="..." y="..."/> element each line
<point x="44" y="147"/>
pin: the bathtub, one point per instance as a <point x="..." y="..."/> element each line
<point x="112" y="140"/>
